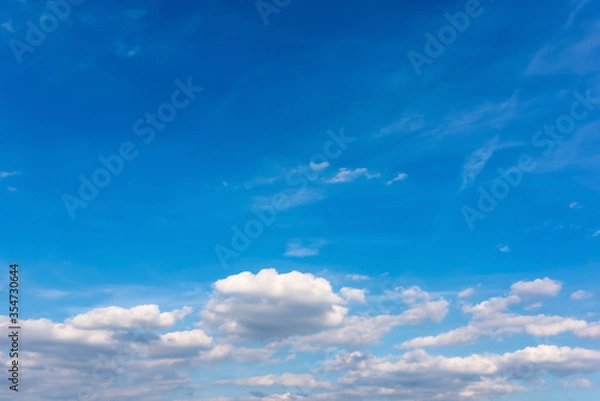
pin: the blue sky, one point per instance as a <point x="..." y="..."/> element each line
<point x="474" y="171"/>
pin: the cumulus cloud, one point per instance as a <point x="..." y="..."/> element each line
<point x="359" y="330"/>
<point x="353" y="294"/>
<point x="269" y="304"/>
<point x="545" y="286"/>
<point x="479" y="376"/>
<point x="492" y="318"/>
<point x="114" y="317"/>
<point x="267" y="318"/>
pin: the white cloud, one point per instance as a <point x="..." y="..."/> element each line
<point x="476" y="162"/>
<point x="578" y="7"/>
<point x="288" y="199"/>
<point x="270" y="304"/>
<point x="577" y="54"/>
<point x="504" y="248"/>
<point x="353" y="294"/>
<point x="466" y="293"/>
<point x="8" y="26"/>
<point x="479" y="376"/>
<point x="4" y="174"/>
<point x="596" y="234"/>
<point x="409" y="122"/>
<point x="319" y="166"/>
<point x="357" y="277"/>
<point x="574" y="205"/>
<point x="286" y="379"/>
<point x="491" y="318"/>
<point x="114" y="317"/>
<point x="545" y="286"/>
<point x="581" y="294"/>
<point x="534" y="306"/>
<point x="296" y="313"/>
<point x="345" y="175"/>
<point x="298" y="249"/>
<point x="577" y="383"/>
<point x="419" y="307"/>
<point x="180" y="344"/>
<point x="399" y="177"/>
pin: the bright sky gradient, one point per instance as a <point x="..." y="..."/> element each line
<point x="293" y="200"/>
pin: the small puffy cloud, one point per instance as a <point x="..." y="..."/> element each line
<point x="596" y="234"/>
<point x="399" y="177"/>
<point x="297" y="249"/>
<point x="115" y="317"/>
<point x="574" y="205"/>
<point x="345" y="175"/>
<point x="545" y="286"/>
<point x="581" y="294"/>
<point x="11" y="189"/>
<point x="353" y="294"/>
<point x="504" y="248"/>
<point x="466" y="293"/>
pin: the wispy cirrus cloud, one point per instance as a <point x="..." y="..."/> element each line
<point x="399" y="177"/>
<point x="409" y="122"/>
<point x="345" y="175"/>
<point x="8" y="26"/>
<point x="301" y="249"/>
<point x="476" y="161"/>
<point x="4" y="174"/>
